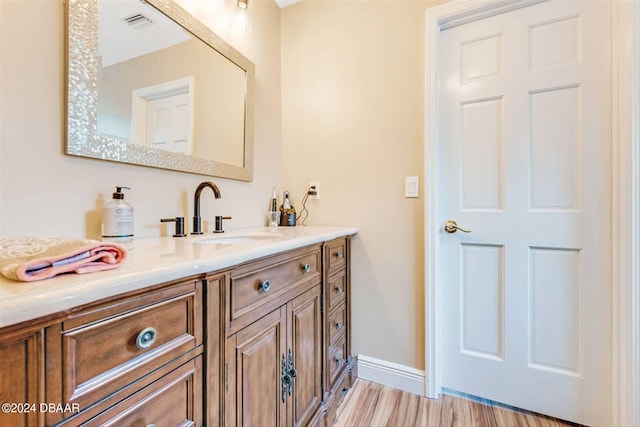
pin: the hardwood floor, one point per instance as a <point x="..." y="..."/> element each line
<point x="370" y="404"/>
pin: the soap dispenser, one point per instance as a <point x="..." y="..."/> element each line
<point x="117" y="218"/>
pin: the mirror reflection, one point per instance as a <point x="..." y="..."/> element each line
<point x="162" y="96"/>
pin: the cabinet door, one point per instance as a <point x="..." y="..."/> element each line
<point x="20" y="381"/>
<point x="253" y="384"/>
<point x="305" y="355"/>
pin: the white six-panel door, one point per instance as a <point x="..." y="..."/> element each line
<point x="524" y="162"/>
<point x="169" y="123"/>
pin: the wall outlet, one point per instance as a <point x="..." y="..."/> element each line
<point x="314" y="186"/>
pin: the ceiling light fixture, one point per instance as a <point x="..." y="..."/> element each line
<point x="242" y="23"/>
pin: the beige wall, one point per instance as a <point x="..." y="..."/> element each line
<point x="352" y="118"/>
<point x="45" y="192"/>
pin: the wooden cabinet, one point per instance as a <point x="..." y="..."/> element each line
<point x="273" y="366"/>
<point x="104" y="353"/>
<point x="173" y="400"/>
<point x="340" y="365"/>
<point x="255" y="361"/>
<point x="266" y="342"/>
<point x="288" y="359"/>
<point x="304" y="322"/>
<point x="21" y="383"/>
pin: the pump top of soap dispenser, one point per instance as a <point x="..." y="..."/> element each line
<point x="119" y="194"/>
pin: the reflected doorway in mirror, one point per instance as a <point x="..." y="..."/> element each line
<point x="162" y="116"/>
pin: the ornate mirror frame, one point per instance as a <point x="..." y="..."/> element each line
<point x="82" y="138"/>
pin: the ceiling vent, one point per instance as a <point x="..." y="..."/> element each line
<point x="137" y="21"/>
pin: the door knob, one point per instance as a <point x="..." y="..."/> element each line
<point x="451" y="227"/>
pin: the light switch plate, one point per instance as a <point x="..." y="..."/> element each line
<point x="412" y="186"/>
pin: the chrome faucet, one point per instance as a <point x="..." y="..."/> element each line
<point x="197" y="221"/>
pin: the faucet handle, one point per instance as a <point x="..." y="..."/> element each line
<point x="179" y="220"/>
<point x="219" y="219"/>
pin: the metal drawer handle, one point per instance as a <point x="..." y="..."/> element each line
<point x="306" y="268"/>
<point x="264" y="286"/>
<point x="339" y="325"/>
<point x="146" y="338"/>
<point x="339" y="255"/>
<point x="338" y="289"/>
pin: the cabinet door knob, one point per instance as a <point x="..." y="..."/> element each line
<point x="264" y="286"/>
<point x="306" y="267"/>
<point x="339" y="325"/>
<point x="146" y="338"/>
<point x="338" y="289"/>
<point x="339" y="361"/>
<point x="339" y="255"/>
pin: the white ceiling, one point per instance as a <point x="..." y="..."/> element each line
<point x="285" y="3"/>
<point x="118" y="42"/>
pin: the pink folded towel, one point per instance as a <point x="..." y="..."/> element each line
<point x="35" y="258"/>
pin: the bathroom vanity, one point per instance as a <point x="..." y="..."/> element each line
<point x="248" y="328"/>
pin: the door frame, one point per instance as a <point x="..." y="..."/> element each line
<point x="140" y="99"/>
<point x="625" y="191"/>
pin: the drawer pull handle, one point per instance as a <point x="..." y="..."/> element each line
<point x="264" y="286"/>
<point x="339" y="325"/>
<point x="306" y="268"/>
<point x="339" y="255"/>
<point x="338" y="289"/>
<point x="339" y="361"/>
<point x="146" y="338"/>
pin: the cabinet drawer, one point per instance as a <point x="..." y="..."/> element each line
<point x="339" y="390"/>
<point x="105" y="354"/>
<point x="337" y="324"/>
<point x="173" y="400"/>
<point x="337" y="359"/>
<point x="260" y="286"/>
<point x="336" y="255"/>
<point x="337" y="288"/>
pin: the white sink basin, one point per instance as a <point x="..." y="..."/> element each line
<point x="243" y="238"/>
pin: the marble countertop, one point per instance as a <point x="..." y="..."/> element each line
<point x="151" y="261"/>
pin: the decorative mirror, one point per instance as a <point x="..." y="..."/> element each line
<point x="149" y="84"/>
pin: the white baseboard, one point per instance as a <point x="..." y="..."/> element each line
<point x="391" y="374"/>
